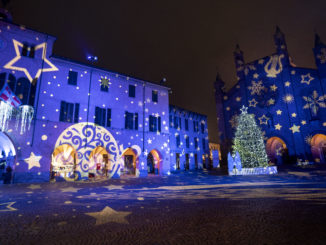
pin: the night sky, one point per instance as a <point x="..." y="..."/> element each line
<point x="186" y="42"/>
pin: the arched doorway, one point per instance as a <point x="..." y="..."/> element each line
<point x="129" y="162"/>
<point x="7" y="154"/>
<point x="276" y="150"/>
<point x="63" y="164"/>
<point x="98" y="162"/>
<point x="154" y="162"/>
<point x="318" y="148"/>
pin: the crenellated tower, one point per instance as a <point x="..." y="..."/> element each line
<point x="280" y="44"/>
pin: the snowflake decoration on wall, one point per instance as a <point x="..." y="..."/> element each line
<point x="256" y="87"/>
<point x="314" y="102"/>
<point x="322" y="56"/>
<point x="104" y="81"/>
<point x="234" y="121"/>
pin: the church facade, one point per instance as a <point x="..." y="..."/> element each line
<point x="288" y="102"/>
<point x="61" y="119"/>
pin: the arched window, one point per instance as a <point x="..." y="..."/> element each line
<point x="22" y="90"/>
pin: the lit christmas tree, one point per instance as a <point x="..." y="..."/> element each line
<point x="249" y="141"/>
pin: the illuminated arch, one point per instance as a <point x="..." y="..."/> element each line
<point x="276" y="150"/>
<point x="318" y="147"/>
<point x="158" y="160"/>
<point x="63" y="163"/>
<point x="133" y="166"/>
<point x="98" y="158"/>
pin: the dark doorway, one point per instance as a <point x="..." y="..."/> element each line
<point x="177" y="160"/>
<point x="150" y="164"/>
<point x="129" y="166"/>
<point x="196" y="161"/>
<point x="187" y="162"/>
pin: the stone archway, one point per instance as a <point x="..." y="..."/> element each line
<point x="155" y="156"/>
<point x="63" y="163"/>
<point x="318" y="148"/>
<point x="276" y="150"/>
<point x="98" y="162"/>
<point x="130" y="159"/>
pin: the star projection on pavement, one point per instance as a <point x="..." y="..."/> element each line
<point x="70" y="189"/>
<point x="33" y="161"/>
<point x="34" y="187"/>
<point x="11" y="64"/>
<point x="109" y="215"/>
<point x="295" y="129"/>
<point x="7" y="206"/>
<point x="113" y="187"/>
<point x="306" y="79"/>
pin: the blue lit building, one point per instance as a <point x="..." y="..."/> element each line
<point x="61" y="119"/>
<point x="289" y="103"/>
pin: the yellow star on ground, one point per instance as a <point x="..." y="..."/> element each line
<point x="70" y="189"/>
<point x="263" y="119"/>
<point x="10" y="64"/>
<point x="303" y="122"/>
<point x="113" y="187"/>
<point x="33" y="161"/>
<point x="7" y="206"/>
<point x="33" y="187"/>
<point x="108" y="215"/>
<point x="279" y="112"/>
<point x="273" y="87"/>
<point x="294" y="115"/>
<point x="252" y="103"/>
<point x="295" y="129"/>
<point x="278" y="126"/>
<point x="287" y="84"/>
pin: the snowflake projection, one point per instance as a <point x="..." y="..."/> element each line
<point x="104" y="81"/>
<point x="234" y="121"/>
<point x="248" y="68"/>
<point x="256" y="87"/>
<point x="308" y="139"/>
<point x="314" y="102"/>
<point x="322" y="56"/>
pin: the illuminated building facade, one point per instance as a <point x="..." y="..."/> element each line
<point x="188" y="138"/>
<point x="288" y="103"/>
<point x="75" y="121"/>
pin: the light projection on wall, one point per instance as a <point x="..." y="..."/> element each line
<point x="314" y="101"/>
<point x="274" y="66"/>
<point x="11" y="64"/>
<point x="33" y="161"/>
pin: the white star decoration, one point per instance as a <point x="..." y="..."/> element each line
<point x="33" y="161"/>
<point x="10" y="64"/>
<point x="108" y="215"/>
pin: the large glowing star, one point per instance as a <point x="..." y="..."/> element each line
<point x="108" y="215"/>
<point x="33" y="161"/>
<point x="11" y="64"/>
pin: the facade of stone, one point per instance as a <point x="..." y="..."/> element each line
<point x="85" y="121"/>
<point x="288" y="103"/>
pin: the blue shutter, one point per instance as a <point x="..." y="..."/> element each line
<point x="136" y="121"/>
<point x="159" y="124"/>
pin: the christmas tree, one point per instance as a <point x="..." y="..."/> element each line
<point x="249" y="141"/>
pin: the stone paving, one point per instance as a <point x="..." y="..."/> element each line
<point x="184" y="208"/>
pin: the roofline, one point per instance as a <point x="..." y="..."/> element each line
<point x="26" y="28"/>
<point x="105" y="70"/>
<point x="178" y="107"/>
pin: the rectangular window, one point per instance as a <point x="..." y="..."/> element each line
<point x="152" y="124"/>
<point x="76" y="118"/>
<point x="66" y="112"/>
<point x="100" y="116"/>
<point x="132" y="91"/>
<point x="186" y="125"/>
<point x="108" y="118"/>
<point x="176" y="122"/>
<point x="136" y="121"/>
<point x="72" y="77"/>
<point x="204" y="144"/>
<point x="177" y="138"/>
<point x="187" y="141"/>
<point x="196" y="143"/>
<point x="154" y="95"/>
<point x="202" y="125"/>
<point x="129" y="120"/>
<point x="171" y="121"/>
